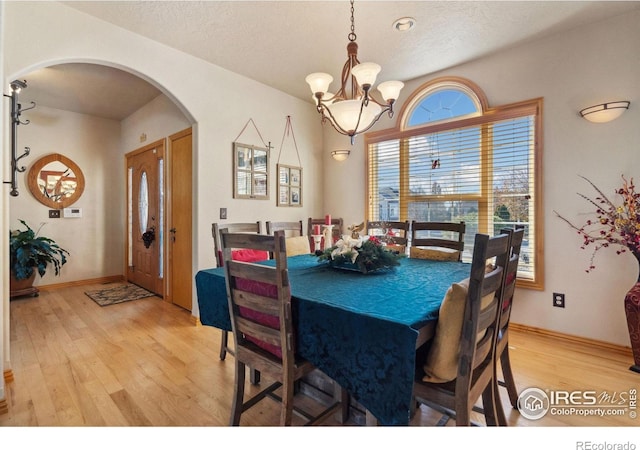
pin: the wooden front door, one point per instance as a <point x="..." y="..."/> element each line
<point x="179" y="222"/>
<point x="145" y="221"/>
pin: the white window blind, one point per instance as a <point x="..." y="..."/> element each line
<point x="482" y="174"/>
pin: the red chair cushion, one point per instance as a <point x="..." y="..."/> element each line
<point x="268" y="290"/>
<point x="245" y="255"/>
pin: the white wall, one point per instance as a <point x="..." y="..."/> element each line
<point x="157" y="119"/>
<point x="571" y="71"/>
<point x="219" y="102"/>
<point x="93" y="241"/>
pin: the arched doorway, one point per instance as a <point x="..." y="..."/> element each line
<point x="87" y="100"/>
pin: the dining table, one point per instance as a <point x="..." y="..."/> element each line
<point x="361" y="330"/>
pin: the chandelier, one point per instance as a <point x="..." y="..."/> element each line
<point x="353" y="110"/>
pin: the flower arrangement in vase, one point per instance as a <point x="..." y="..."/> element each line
<point x="617" y="225"/>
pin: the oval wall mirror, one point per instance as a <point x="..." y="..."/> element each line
<point x="56" y="181"/>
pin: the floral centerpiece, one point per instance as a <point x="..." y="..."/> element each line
<point x="366" y="254"/>
<point x="613" y="225"/>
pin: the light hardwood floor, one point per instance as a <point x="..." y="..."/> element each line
<point x="145" y="363"/>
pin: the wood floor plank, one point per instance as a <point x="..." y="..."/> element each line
<point x="129" y="409"/>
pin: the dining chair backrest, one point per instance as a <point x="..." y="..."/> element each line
<point x="482" y="311"/>
<point x="297" y="242"/>
<point x="240" y="227"/>
<point x="259" y="294"/>
<point x="502" y="344"/>
<point x="394" y="233"/>
<point x="290" y="229"/>
<point x="474" y="375"/>
<point x="437" y="240"/>
<point x="337" y="230"/>
<point x="259" y="300"/>
<point x="517" y="236"/>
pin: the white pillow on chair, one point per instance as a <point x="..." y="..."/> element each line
<point x="298" y="245"/>
<point x="442" y="360"/>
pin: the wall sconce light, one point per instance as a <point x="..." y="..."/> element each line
<point x="340" y="155"/>
<point x="605" y="112"/>
<point x="16" y="110"/>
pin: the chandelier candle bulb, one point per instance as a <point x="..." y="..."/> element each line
<point x="366" y="73"/>
<point x="390" y="90"/>
<point x="319" y="82"/>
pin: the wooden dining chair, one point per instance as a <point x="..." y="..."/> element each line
<point x="443" y="241"/>
<point x="459" y="367"/>
<point x="260" y="307"/>
<point x="293" y="228"/>
<point x="297" y="242"/>
<point x="394" y="233"/>
<point x="337" y="230"/>
<point x="253" y="227"/>
<point x="502" y="345"/>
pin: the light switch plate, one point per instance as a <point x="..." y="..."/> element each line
<point x="223" y="213"/>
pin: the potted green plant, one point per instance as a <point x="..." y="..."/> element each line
<point x="31" y="253"/>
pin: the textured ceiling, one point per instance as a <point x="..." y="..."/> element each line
<point x="89" y="89"/>
<point x="279" y="42"/>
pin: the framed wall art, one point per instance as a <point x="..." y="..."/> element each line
<point x="250" y="171"/>
<point x="289" y="185"/>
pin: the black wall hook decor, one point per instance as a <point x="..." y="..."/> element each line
<point x="16" y="111"/>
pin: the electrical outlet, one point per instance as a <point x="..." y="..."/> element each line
<point x="558" y="300"/>
<point x="54" y="214"/>
<point x="223" y="213"/>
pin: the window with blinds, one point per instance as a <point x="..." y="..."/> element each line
<point x="478" y="168"/>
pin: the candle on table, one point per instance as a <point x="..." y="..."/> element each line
<point x="327" y="219"/>
<point x="316" y="230"/>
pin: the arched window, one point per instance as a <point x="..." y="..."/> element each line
<point x="453" y="158"/>
<point x="443" y="101"/>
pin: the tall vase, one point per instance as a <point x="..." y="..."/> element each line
<point x="632" y="311"/>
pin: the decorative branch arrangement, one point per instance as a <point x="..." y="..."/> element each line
<point x="617" y="225"/>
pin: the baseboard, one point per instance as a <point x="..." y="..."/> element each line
<point x="102" y="280"/>
<point x="571" y="338"/>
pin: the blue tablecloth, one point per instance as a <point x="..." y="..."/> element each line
<point x="360" y="330"/>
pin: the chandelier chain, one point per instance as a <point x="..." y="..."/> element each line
<point x="352" y="35"/>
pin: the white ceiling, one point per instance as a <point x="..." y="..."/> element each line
<point x="279" y="42"/>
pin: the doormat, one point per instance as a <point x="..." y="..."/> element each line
<point x="118" y="294"/>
